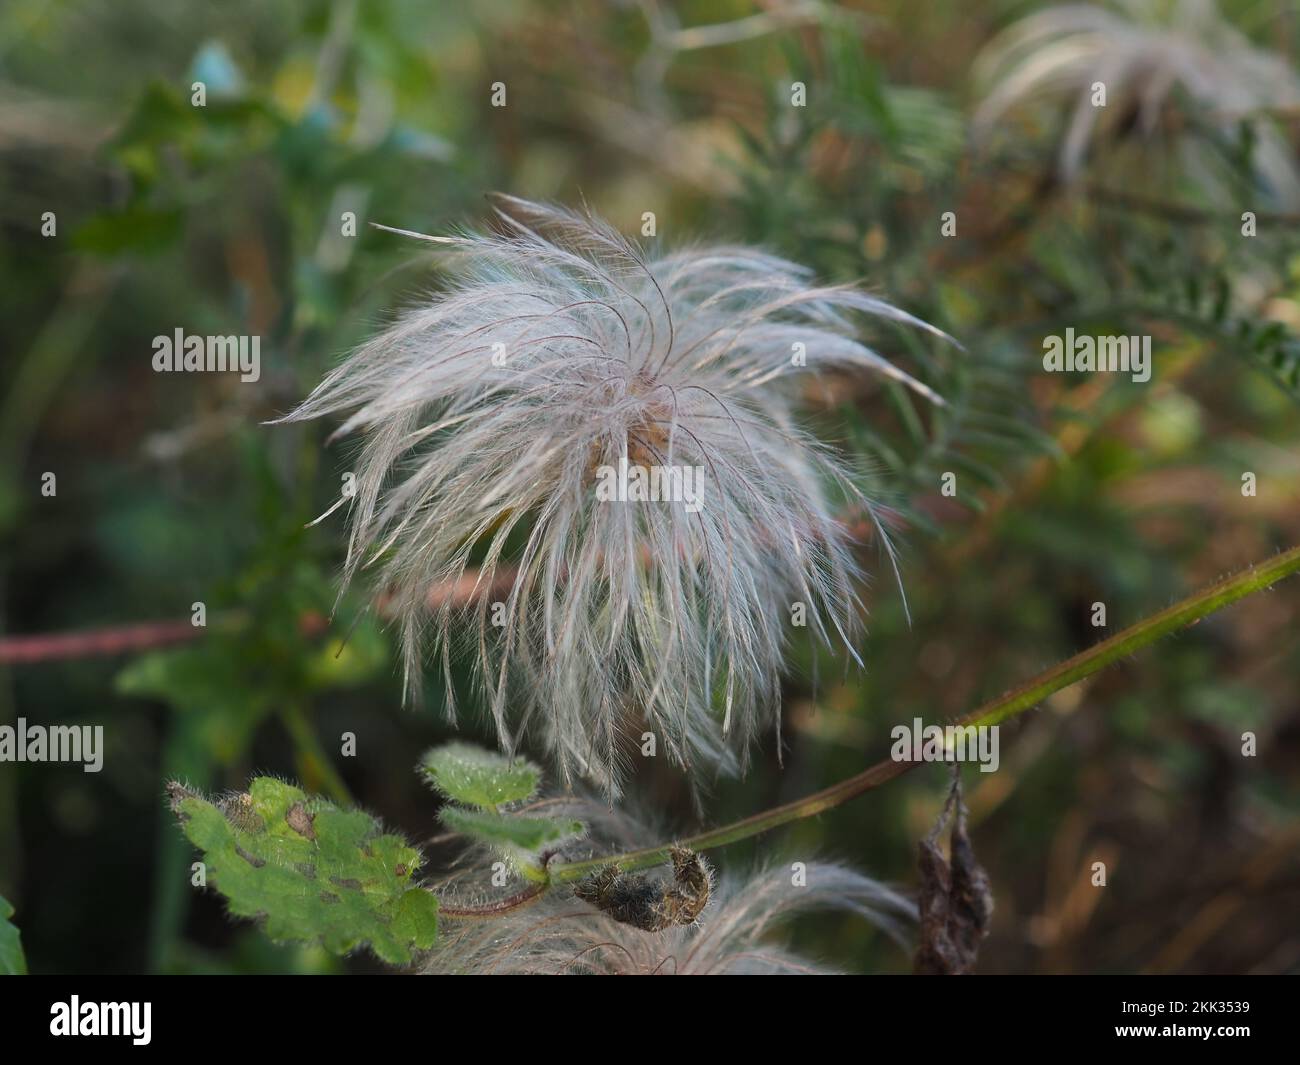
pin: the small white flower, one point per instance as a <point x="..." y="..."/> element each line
<point x="493" y="412"/>
<point x="1175" y="62"/>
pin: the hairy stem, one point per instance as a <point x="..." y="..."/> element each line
<point x="1024" y="697"/>
<point x="496" y="909"/>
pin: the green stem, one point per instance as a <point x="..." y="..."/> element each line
<point x="1025" y="697"/>
<point x="313" y="763"/>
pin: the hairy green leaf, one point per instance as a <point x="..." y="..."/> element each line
<point x="477" y="777"/>
<point x="311" y="871"/>
<point x="519" y="837"/>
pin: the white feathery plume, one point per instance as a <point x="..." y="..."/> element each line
<point x="1156" y="56"/>
<point x="492" y="414"/>
<point x="562" y="935"/>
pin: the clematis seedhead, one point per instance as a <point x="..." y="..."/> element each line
<point x="601" y="450"/>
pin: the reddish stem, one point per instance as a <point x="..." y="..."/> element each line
<point x="115" y="639"/>
<point x="495" y="909"/>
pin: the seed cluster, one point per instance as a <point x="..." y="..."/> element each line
<point x="652" y="904"/>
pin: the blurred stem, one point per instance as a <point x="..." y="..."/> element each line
<point x="313" y="763"/>
<point x="185" y="757"/>
<point x="54" y="353"/>
<point x="329" y="63"/>
<point x="1174" y="211"/>
<point x="113" y="639"/>
<point x="1025" y="697"/>
<point x="52" y="356"/>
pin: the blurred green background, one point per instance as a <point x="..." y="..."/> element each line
<point x="1071" y="489"/>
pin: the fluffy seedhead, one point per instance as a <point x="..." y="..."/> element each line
<point x="618" y="924"/>
<point x="511" y="425"/>
<point x="1170" y="69"/>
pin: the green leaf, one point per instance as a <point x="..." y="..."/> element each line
<point x="519" y="837"/>
<point x="136" y="229"/>
<point x="347" y="662"/>
<point x="226" y="704"/>
<point x="311" y="871"/>
<point x="477" y="777"/>
<point x="12" y="960"/>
